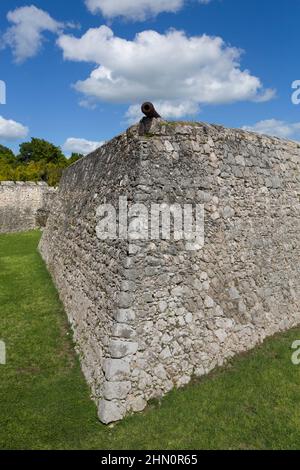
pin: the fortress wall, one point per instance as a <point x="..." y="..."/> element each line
<point x="24" y="206"/>
<point x="87" y="271"/>
<point x="150" y="314"/>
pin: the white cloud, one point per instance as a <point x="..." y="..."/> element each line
<point x="268" y="95"/>
<point x="12" y="130"/>
<point x="75" y="145"/>
<point x="25" y="36"/>
<point x="171" y="68"/>
<point x="135" y="9"/>
<point x="88" y="104"/>
<point x="276" y="128"/>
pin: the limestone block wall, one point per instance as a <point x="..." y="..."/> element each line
<point x="150" y="314"/>
<point x="24" y="205"/>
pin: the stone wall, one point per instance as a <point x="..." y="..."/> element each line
<point x="149" y="315"/>
<point x="24" y="206"/>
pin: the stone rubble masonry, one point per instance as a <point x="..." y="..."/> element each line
<point x="24" y="205"/>
<point x="148" y="316"/>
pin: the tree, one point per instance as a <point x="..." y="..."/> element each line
<point x="6" y="171"/>
<point x="74" y="158"/>
<point x="7" y="163"/>
<point x="7" y="155"/>
<point x="39" y="149"/>
<point x="38" y="160"/>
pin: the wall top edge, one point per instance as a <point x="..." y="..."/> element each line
<point x="26" y="183"/>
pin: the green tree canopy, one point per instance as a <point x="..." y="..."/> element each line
<point x="39" y="149"/>
<point x="7" y="155"/>
<point x="74" y="158"/>
<point x="38" y="160"/>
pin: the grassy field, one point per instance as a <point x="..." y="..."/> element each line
<point x="253" y="403"/>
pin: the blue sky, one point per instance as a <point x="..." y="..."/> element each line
<point x="176" y="61"/>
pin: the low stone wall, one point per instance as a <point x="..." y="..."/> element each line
<point x="24" y="206"/>
<point x="150" y="314"/>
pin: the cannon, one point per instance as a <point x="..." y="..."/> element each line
<point x="149" y="110"/>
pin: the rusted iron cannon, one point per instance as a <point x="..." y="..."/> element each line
<point x="149" y="110"/>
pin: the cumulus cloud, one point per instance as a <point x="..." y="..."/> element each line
<point x="83" y="146"/>
<point x="135" y="9"/>
<point x="25" y="36"/>
<point x="276" y="128"/>
<point x="172" y="68"/>
<point x="12" y="130"/>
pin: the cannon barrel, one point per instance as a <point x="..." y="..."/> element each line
<point x="149" y="110"/>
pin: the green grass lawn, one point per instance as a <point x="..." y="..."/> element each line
<point x="253" y="403"/>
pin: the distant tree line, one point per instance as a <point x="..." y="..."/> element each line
<point x="38" y="160"/>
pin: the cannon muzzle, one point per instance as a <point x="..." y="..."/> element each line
<point x="149" y="110"/>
